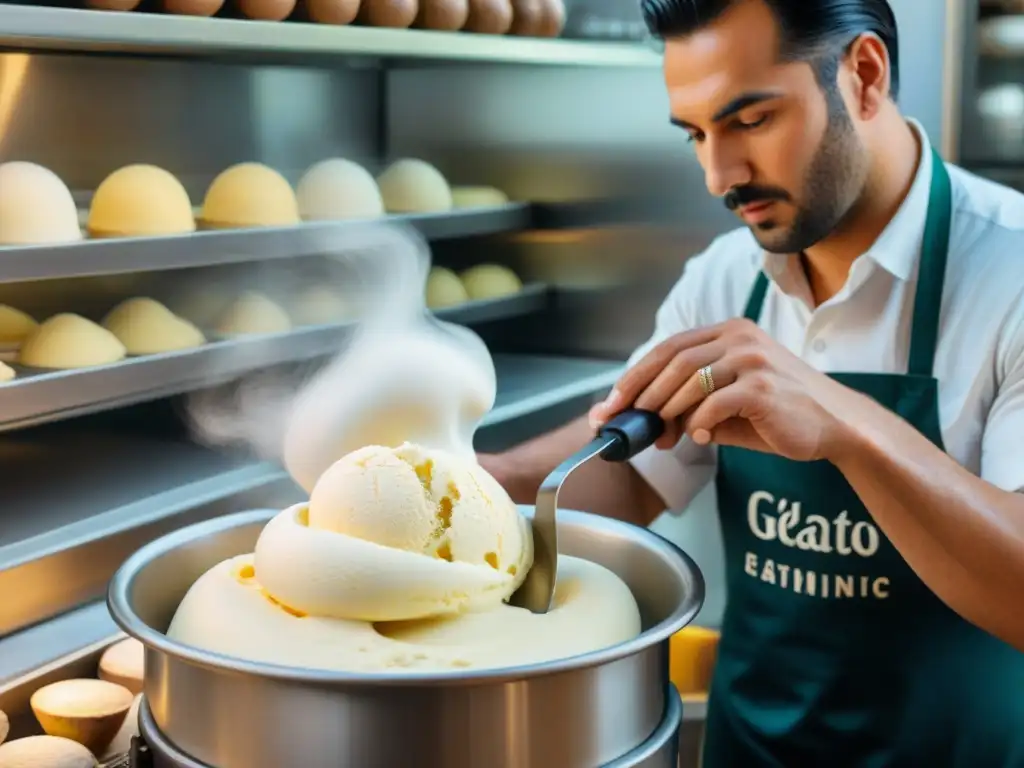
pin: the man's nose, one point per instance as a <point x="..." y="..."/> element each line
<point x="724" y="168"/>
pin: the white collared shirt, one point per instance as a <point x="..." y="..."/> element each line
<point x="979" y="360"/>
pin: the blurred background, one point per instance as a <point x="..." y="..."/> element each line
<point x="558" y="202"/>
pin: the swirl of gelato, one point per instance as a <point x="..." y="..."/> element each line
<point x="393" y="534"/>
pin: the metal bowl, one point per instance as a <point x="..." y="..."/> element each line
<point x="580" y="712"/>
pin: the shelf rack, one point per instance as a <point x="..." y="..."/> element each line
<point x="37" y="397"/>
<point x="28" y="28"/>
<point x="234" y="246"/>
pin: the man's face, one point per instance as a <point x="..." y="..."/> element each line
<point x="782" y="154"/>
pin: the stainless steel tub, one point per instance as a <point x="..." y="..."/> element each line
<point x="582" y="712"/>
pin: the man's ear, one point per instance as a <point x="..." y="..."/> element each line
<point x="868" y="75"/>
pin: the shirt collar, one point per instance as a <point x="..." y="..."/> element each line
<point x="898" y="247"/>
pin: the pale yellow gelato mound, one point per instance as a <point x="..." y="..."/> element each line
<point x="402" y="560"/>
<point x="6" y="372"/>
<point x="70" y="341"/>
<point x="140" y="201"/>
<point x="394" y="534"/>
<point x="250" y="195"/>
<point x="36" y="207"/>
<point x="414" y="186"/>
<point x="147" y="327"/>
<point x="338" y="189"/>
<point x="444" y="289"/>
<point x="45" y="752"/>
<point x="490" y="281"/>
<point x="15" y="326"/>
<point x="253" y="313"/>
<point x="478" y="197"/>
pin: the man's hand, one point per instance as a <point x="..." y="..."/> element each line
<point x="765" y="398"/>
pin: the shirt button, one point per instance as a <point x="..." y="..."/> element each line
<point x="818" y="346"/>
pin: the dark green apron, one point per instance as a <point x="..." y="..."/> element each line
<point x="833" y="652"/>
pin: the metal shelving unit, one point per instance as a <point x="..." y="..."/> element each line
<point x="59" y="29"/>
<point x="236" y="246"/>
<point x="38" y="397"/>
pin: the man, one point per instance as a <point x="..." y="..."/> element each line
<point x="849" y="366"/>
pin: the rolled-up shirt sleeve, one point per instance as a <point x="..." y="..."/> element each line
<point x="679" y="474"/>
<point x="1002" y="444"/>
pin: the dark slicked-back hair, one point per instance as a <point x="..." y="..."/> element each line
<point x="817" y="31"/>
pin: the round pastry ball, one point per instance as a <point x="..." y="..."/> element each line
<point x="443" y="15"/>
<point x="84" y="710"/>
<point x="113" y="5"/>
<point x="338" y="189"/>
<point x="36" y="207"/>
<point x="193" y="7"/>
<point x="45" y="752"/>
<point x="253" y="313"/>
<point x="123" y="663"/>
<point x="414" y="186"/>
<point x="266" y="10"/>
<point x="552" y="20"/>
<point x="489" y="17"/>
<point x="140" y="201"/>
<point x="147" y="327"/>
<point x="320" y="305"/>
<point x="444" y="289"/>
<point x="528" y="17"/>
<point x="15" y="326"/>
<point x="397" y="14"/>
<point x="490" y="281"/>
<point x="332" y="11"/>
<point x="478" y="197"/>
<point x="70" y="341"/>
<point x="250" y="195"/>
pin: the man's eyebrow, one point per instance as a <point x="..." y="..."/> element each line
<point x="736" y="105"/>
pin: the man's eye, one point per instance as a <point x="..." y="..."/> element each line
<point x="692" y="137"/>
<point x="745" y="125"/>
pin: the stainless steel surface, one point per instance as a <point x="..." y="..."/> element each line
<point x="661" y="750"/>
<point x="573" y="713"/>
<point x="59" y="29"/>
<point x="202" y="249"/>
<point x="538" y="588"/>
<point x="77" y="505"/>
<point x="37" y="396"/>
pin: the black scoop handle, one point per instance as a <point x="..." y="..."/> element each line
<point x="631" y="432"/>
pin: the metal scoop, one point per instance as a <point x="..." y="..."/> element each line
<point x="620" y="439"/>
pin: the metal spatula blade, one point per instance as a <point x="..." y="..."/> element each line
<point x="626" y="435"/>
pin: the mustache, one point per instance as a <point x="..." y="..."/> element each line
<point x="748" y="194"/>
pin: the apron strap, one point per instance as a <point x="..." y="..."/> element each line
<point x="756" y="298"/>
<point x="931" y="273"/>
<point x="931" y="278"/>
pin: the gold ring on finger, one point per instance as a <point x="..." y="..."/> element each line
<point x="707" y="381"/>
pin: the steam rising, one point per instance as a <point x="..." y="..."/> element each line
<point x="394" y="374"/>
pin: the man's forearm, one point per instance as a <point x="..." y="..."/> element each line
<point x="605" y="488"/>
<point x="962" y="536"/>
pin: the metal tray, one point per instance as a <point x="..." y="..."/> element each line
<point x="31" y="28"/>
<point x="38" y="396"/>
<point x="110" y="256"/>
